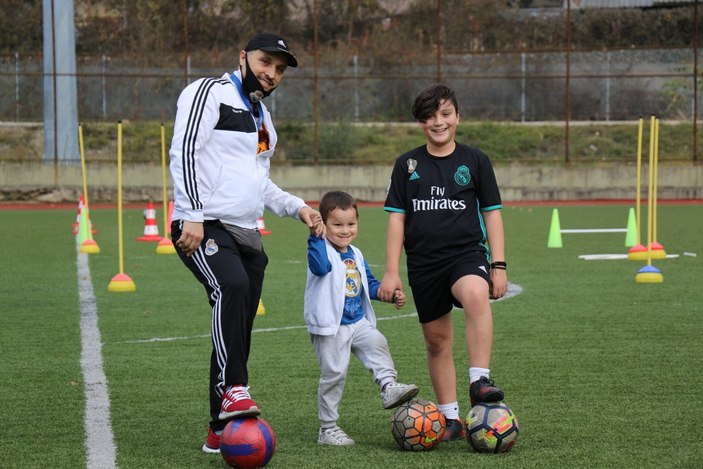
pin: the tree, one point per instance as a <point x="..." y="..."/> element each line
<point x="21" y="26"/>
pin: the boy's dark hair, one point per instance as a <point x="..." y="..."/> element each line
<point x="428" y="101"/>
<point x="336" y="199"/>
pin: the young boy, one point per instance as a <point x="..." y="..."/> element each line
<point x="444" y="207"/>
<point x="340" y="318"/>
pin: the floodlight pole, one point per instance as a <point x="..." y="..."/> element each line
<point x="186" y="45"/>
<point x="53" y="79"/>
<point x="315" y="104"/>
<point x="567" y="97"/>
<point x="695" y="81"/>
<point x="60" y="82"/>
<point x="439" y="41"/>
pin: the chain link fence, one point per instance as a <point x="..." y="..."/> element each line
<point x="523" y="87"/>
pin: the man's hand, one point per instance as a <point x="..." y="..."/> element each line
<point x="313" y="220"/>
<point x="390" y="285"/>
<point x="191" y="237"/>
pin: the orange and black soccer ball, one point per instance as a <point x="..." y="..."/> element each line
<point x="417" y="425"/>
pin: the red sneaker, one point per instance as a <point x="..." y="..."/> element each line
<point x="212" y="444"/>
<point x="236" y="402"/>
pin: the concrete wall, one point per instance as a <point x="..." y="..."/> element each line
<point x="36" y="181"/>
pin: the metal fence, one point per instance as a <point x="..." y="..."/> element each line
<point x="604" y="85"/>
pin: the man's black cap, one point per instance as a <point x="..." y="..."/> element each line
<point x="270" y="42"/>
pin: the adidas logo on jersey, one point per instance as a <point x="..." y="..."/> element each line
<point x="414" y="176"/>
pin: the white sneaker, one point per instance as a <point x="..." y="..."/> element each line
<point x="396" y="393"/>
<point x="334" y="436"/>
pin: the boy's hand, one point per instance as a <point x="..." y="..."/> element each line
<point x="498" y="285"/>
<point x="398" y="298"/>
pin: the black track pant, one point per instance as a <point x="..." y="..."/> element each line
<point x="233" y="276"/>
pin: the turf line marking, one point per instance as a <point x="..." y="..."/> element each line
<point x="267" y="329"/>
<point x="98" y="428"/>
<point x="607" y="257"/>
<point x="513" y="290"/>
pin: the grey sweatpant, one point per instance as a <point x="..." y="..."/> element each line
<point x="333" y="353"/>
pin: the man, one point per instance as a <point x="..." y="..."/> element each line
<point x="220" y="157"/>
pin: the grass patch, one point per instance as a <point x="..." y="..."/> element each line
<point x="587" y="356"/>
<point x="349" y="143"/>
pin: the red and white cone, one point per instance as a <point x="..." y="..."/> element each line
<point x="261" y="226"/>
<point x="151" y="230"/>
<point x="77" y="224"/>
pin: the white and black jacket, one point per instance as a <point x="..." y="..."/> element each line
<point x="216" y="171"/>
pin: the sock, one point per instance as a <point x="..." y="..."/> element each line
<point x="450" y="411"/>
<point x="385" y="382"/>
<point x="475" y="373"/>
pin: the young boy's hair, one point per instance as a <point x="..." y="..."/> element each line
<point x="428" y="101"/>
<point x="336" y="199"/>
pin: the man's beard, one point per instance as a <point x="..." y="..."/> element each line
<point x="252" y="86"/>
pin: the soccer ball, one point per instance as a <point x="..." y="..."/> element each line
<point x="491" y="427"/>
<point x="417" y="425"/>
<point x="247" y="442"/>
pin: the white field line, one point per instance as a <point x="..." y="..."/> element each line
<point x="98" y="428"/>
<point x="513" y="290"/>
<point x="595" y="230"/>
<point x="613" y="257"/>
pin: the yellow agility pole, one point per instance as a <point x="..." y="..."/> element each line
<point x="658" y="251"/>
<point x="649" y="273"/>
<point x="120" y="282"/>
<point x="85" y="228"/>
<point x="638" y="252"/>
<point x="165" y="245"/>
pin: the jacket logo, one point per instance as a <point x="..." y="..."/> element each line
<point x="211" y="247"/>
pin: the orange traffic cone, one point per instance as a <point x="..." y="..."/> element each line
<point x="261" y="226"/>
<point x="151" y="230"/>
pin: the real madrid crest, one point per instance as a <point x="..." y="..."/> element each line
<point x="211" y="247"/>
<point x="462" y="176"/>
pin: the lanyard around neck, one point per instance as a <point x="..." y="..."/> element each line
<point x="257" y="114"/>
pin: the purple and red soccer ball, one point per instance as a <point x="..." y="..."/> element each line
<point x="247" y="442"/>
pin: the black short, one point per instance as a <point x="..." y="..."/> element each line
<point x="432" y="289"/>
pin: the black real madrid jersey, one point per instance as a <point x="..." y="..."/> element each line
<point x="442" y="199"/>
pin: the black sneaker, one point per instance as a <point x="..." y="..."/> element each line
<point x="484" y="390"/>
<point x="454" y="430"/>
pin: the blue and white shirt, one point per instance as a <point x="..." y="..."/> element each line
<point x="339" y="288"/>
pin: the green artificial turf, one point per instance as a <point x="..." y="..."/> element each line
<point x="601" y="371"/>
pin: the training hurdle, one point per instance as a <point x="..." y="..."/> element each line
<point x="555" y="231"/>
